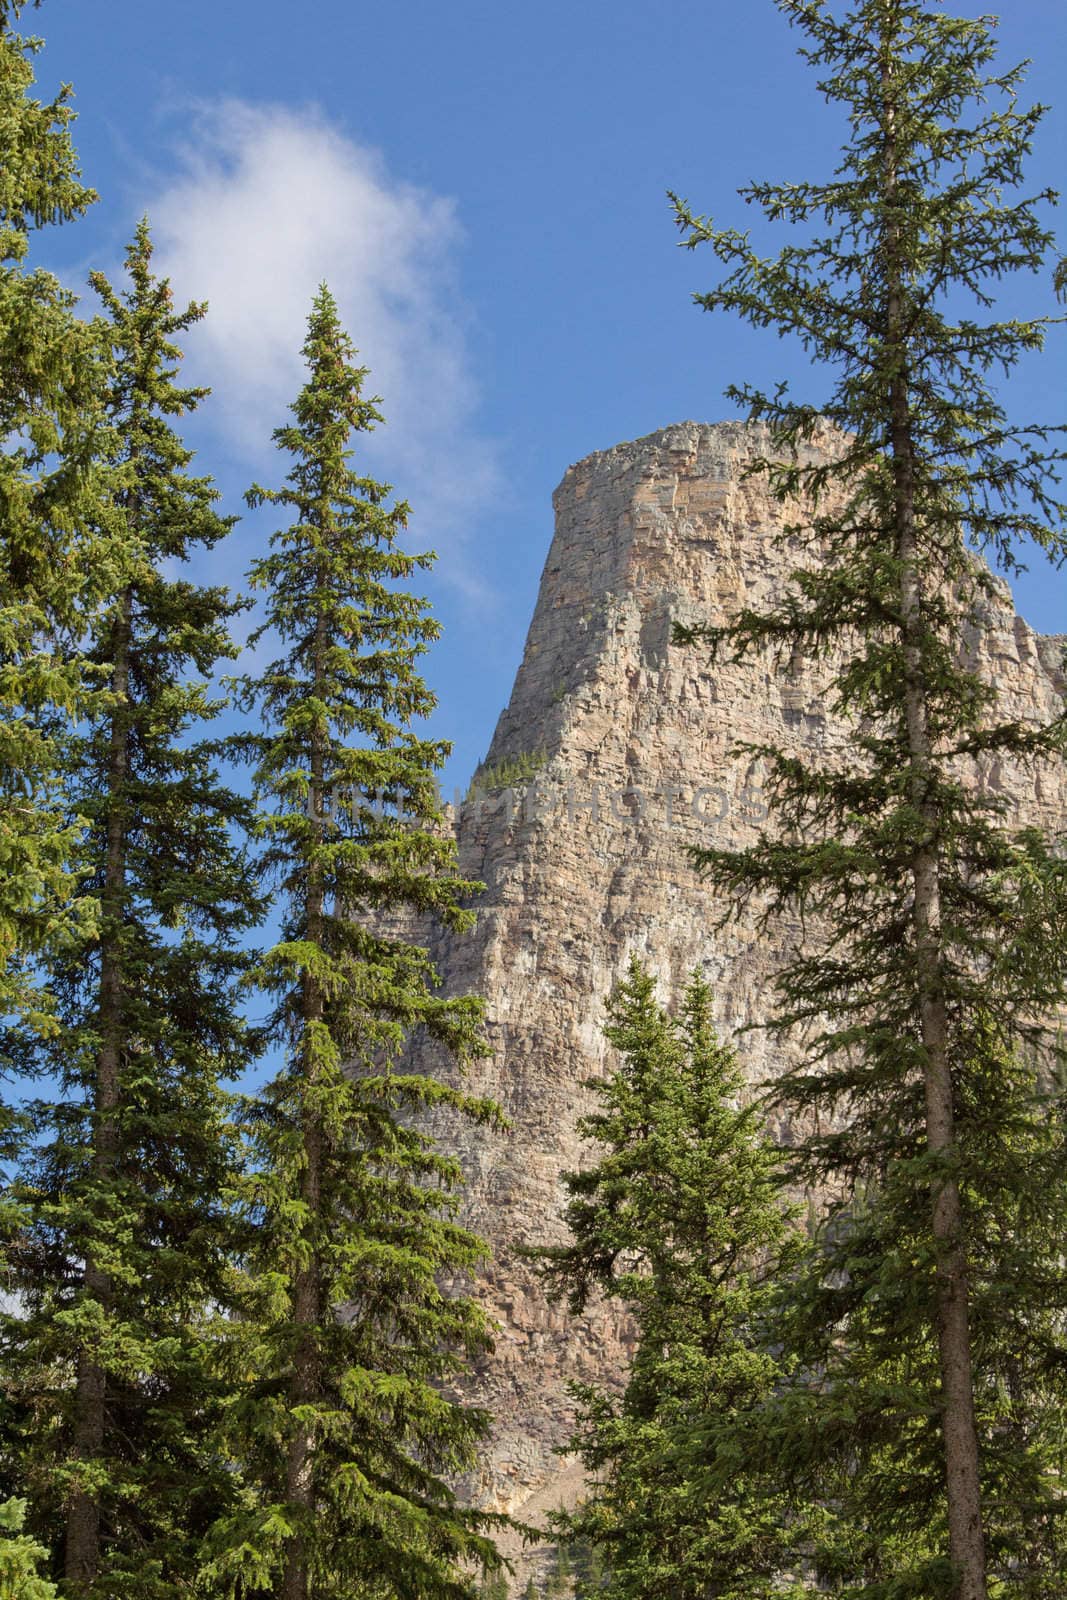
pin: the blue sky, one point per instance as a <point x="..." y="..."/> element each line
<point x="483" y="186"/>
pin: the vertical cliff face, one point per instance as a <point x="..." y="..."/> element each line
<point x="631" y="739"/>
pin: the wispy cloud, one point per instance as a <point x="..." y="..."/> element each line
<point x="269" y="202"/>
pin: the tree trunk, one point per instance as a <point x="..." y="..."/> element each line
<point x="304" y="1384"/>
<point x="82" y="1556"/>
<point x="960" y="1434"/>
<point x="962" y="1463"/>
<point x="307" y="1307"/>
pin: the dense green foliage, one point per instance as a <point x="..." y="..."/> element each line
<point x="942" y="944"/>
<point x="344" y="1436"/>
<point x="681" y="1217"/>
<point x="124" y="1235"/>
<point x="54" y="559"/>
<point x="20" y="1558"/>
<point x="856" y="1429"/>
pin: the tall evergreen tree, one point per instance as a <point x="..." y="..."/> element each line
<point x="53" y="558"/>
<point x="125" y="1235"/>
<point x="947" y="926"/>
<point x="682" y="1218"/>
<point x="345" y="1438"/>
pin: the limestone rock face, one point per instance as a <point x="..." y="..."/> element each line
<point x="588" y="863"/>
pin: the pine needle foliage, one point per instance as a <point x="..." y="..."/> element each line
<point x="54" y="561"/>
<point x="124" y="1237"/>
<point x="345" y="1437"/>
<point x="681" y="1217"/>
<point x="937" y="930"/>
<point x="858" y="1427"/>
<point x="20" y="1558"/>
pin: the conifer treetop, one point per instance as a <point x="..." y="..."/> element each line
<point x="680" y="1217"/>
<point x="127" y="1240"/>
<point x="949" y="223"/>
<point x="350" y="1446"/>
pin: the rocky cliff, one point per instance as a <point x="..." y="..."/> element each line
<point x="614" y="754"/>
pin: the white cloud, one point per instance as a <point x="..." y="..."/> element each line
<point x="269" y="203"/>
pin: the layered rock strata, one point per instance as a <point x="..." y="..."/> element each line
<point x="613" y="755"/>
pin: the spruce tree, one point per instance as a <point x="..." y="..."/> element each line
<point x="345" y="1439"/>
<point x="124" y="1239"/>
<point x="680" y="1216"/>
<point x="21" y="1558"/>
<point x="54" y="558"/>
<point x="944" y="927"/>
